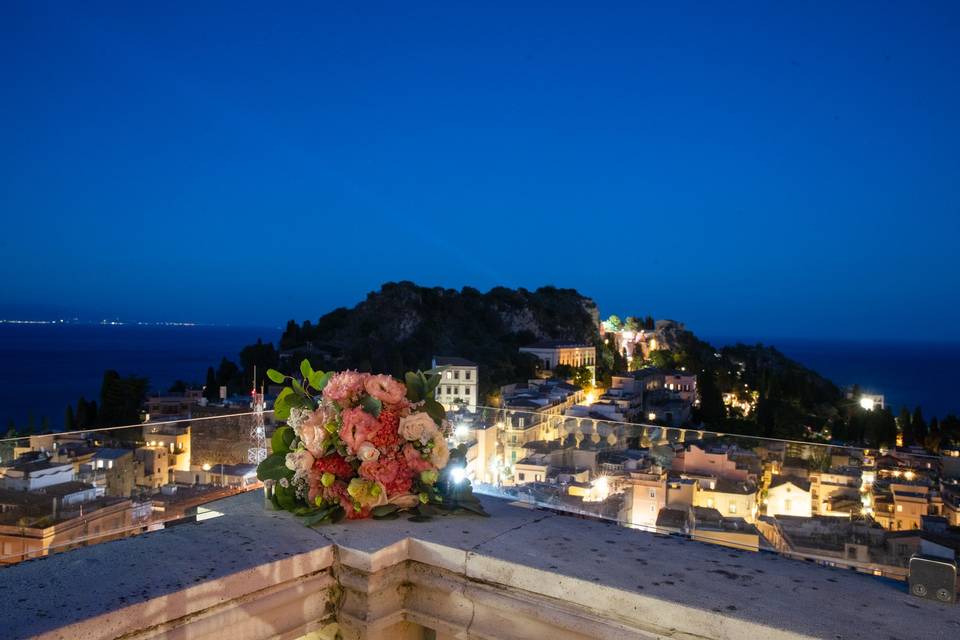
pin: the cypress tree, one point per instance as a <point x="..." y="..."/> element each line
<point x="68" y="420"/>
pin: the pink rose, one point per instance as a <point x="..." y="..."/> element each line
<point x="358" y="426"/>
<point x="385" y="389"/>
<point x="414" y="459"/>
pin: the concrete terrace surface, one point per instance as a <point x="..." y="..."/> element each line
<point x="659" y="586"/>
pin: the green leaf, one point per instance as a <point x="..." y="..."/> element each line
<point x="387" y="516"/>
<point x="435" y="410"/>
<point x="372" y="406"/>
<point x="319" y="379"/>
<point x="384" y="509"/>
<point x="305" y="369"/>
<point x="286" y="496"/>
<point x="281" y="440"/>
<point x="323" y="516"/>
<point x="274" y="468"/>
<point x="432" y="382"/>
<point x="428" y="510"/>
<point x="281" y="406"/>
<point x="337" y="514"/>
<point x="299" y="388"/>
<point x="414" y="391"/>
<point x="276" y="376"/>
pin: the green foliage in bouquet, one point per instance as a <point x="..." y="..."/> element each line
<point x="370" y="446"/>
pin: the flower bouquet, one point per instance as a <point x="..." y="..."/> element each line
<point x="357" y="445"/>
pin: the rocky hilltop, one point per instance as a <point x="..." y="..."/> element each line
<point x="401" y="326"/>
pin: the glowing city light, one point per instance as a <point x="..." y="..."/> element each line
<point x="206" y="466"/>
<point x="867" y="403"/>
<point x="461" y="431"/>
<point x="458" y="474"/>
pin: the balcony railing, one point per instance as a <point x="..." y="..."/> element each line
<point x="850" y="507"/>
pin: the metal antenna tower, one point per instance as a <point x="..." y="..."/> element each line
<point x="257" y="452"/>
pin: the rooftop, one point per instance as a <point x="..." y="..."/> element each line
<point x="557" y="344"/>
<point x="255" y="573"/>
<point x="453" y="361"/>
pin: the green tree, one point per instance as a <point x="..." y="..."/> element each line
<point x="121" y="399"/>
<point x="903" y="425"/>
<point x="563" y="371"/>
<point x="258" y="356"/>
<point x="661" y="358"/>
<point x="918" y="426"/>
<point x="582" y="377"/>
<point x="712" y="410"/>
<point x="649" y="324"/>
<point x="68" y="420"/>
<point x="211" y="390"/>
<point x="934" y="436"/>
<point x="631" y="324"/>
<point x="615" y="323"/>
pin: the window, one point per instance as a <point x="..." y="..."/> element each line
<point x="466" y="375"/>
<point x="710" y="503"/>
<point x="732" y="507"/>
<point x="456" y="375"/>
<point x="653" y="493"/>
<point x="521" y="477"/>
<point x="788" y="505"/>
<point x="449" y="375"/>
<point x="520" y="421"/>
<point x="652" y="509"/>
<point x="899" y="507"/>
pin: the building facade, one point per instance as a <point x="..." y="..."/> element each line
<point x="458" y="383"/>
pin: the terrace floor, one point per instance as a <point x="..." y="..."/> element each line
<point x="255" y="573"/>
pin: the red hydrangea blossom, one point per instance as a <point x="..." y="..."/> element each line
<point x="333" y="463"/>
<point x="387" y="436"/>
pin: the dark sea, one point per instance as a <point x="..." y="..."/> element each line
<point x="906" y="373"/>
<point x="43" y="368"/>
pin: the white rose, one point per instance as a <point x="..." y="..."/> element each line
<point x="417" y="426"/>
<point x="368" y="452"/>
<point x="405" y="500"/>
<point x="440" y="455"/>
<point x="300" y="460"/>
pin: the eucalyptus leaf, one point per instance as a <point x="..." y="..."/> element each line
<point x="305" y="369"/>
<point x="299" y="388"/>
<point x="384" y="509"/>
<point x="414" y="391"/>
<point x="372" y="405"/>
<point x="319" y="379"/>
<point x="435" y="410"/>
<point x="281" y="440"/>
<point x="274" y="468"/>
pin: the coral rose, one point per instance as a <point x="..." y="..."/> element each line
<point x="385" y="389"/>
<point x="358" y="426"/>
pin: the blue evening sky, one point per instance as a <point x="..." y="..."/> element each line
<point x="769" y="169"/>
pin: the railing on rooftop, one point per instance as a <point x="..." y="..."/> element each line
<point x="843" y="506"/>
<point x="63" y="490"/>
